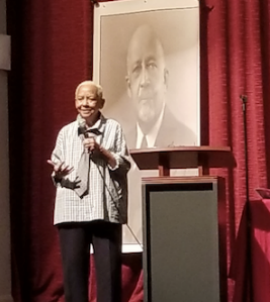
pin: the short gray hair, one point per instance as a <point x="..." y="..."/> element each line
<point x="90" y="83"/>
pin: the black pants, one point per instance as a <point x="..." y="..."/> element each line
<point x="75" y="240"/>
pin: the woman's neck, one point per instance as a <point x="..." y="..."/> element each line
<point x="92" y="119"/>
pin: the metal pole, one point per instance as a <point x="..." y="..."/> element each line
<point x="249" y="285"/>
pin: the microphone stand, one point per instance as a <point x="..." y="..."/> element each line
<point x="248" y="281"/>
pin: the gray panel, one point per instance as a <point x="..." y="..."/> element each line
<point x="182" y="246"/>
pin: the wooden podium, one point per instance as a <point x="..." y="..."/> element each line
<point x="183" y="223"/>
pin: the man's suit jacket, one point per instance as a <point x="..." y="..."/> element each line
<point x="171" y="133"/>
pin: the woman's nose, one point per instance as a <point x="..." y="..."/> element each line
<point x="85" y="101"/>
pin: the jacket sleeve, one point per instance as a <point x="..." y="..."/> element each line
<point x="120" y="152"/>
<point x="58" y="156"/>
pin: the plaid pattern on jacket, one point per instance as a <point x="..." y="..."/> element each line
<point x="107" y="192"/>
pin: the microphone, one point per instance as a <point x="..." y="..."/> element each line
<point x="243" y="98"/>
<point x="86" y="134"/>
<point x="92" y="136"/>
<point x="83" y="131"/>
<point x="82" y="128"/>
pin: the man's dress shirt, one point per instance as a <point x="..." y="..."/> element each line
<point x="150" y="138"/>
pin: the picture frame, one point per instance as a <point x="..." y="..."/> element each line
<point x="175" y="24"/>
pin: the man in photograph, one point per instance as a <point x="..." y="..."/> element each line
<point x="147" y="84"/>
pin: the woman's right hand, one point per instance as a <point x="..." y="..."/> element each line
<point x="60" y="169"/>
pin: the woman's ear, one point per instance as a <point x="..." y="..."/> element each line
<point x="102" y="102"/>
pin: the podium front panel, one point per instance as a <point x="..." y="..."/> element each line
<point x="181" y="256"/>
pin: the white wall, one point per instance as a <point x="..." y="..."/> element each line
<point x="5" y="272"/>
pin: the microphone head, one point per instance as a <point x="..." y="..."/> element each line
<point x="82" y="126"/>
<point x="82" y="123"/>
<point x="243" y="98"/>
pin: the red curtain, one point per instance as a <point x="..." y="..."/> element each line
<point x="52" y="53"/>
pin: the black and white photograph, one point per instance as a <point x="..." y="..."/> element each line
<point x="146" y="56"/>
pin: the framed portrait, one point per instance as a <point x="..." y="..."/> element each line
<point x="146" y="58"/>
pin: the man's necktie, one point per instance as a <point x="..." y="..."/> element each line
<point x="83" y="174"/>
<point x="144" y="144"/>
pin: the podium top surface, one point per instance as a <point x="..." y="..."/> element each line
<point x="183" y="157"/>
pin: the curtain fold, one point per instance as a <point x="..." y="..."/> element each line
<point x="237" y="42"/>
<point x="52" y="52"/>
